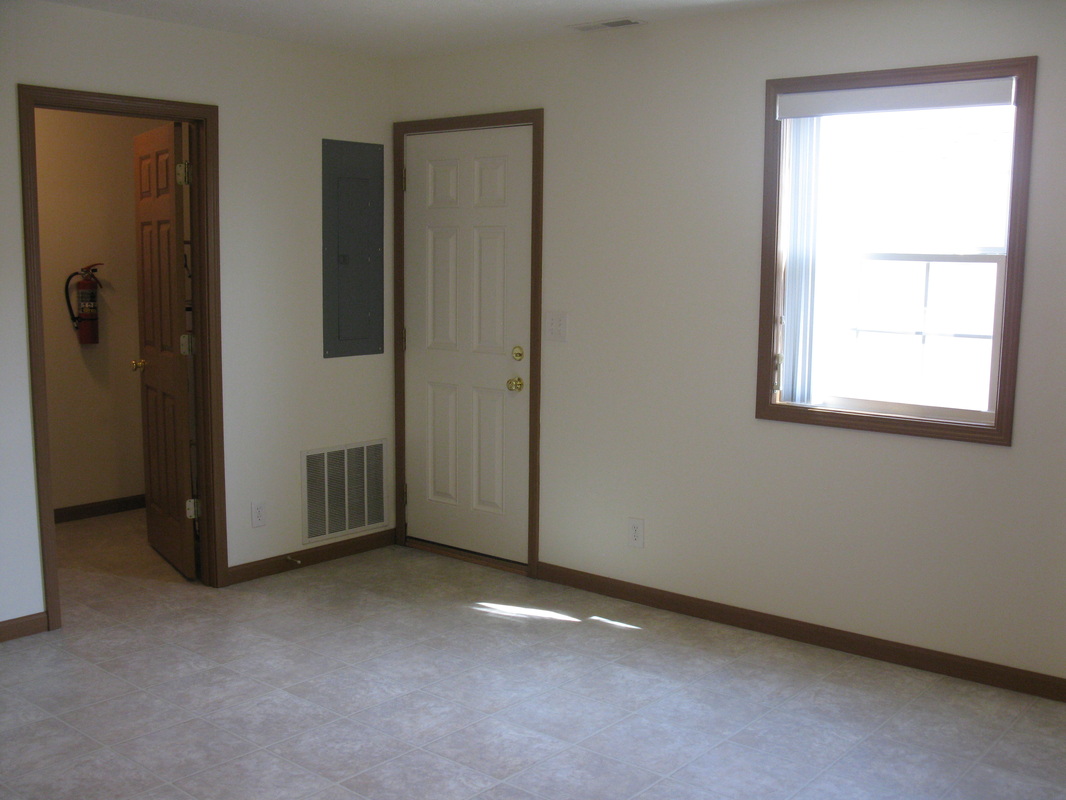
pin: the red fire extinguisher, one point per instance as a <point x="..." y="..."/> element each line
<point x="86" y="321"/>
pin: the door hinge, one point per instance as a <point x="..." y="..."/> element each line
<point x="192" y="509"/>
<point x="186" y="344"/>
<point x="404" y="494"/>
<point x="405" y="179"/>
<point x="183" y="173"/>
<point x="405" y="339"/>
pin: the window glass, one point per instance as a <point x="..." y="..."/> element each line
<point x="892" y="249"/>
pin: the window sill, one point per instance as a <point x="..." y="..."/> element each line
<point x="997" y="432"/>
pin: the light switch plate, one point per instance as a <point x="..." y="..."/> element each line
<point x="555" y="326"/>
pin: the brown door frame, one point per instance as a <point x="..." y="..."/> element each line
<point x="535" y="119"/>
<point x="207" y="401"/>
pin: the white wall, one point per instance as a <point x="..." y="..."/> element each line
<point x="86" y="214"/>
<point x="276" y="103"/>
<point x="652" y="242"/>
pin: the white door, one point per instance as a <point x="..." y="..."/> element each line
<point x="467" y="257"/>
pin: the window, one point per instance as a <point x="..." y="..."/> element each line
<point x="893" y="244"/>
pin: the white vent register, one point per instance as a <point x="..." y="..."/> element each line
<point x="343" y="490"/>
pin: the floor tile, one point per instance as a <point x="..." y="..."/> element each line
<point x="774" y="651"/>
<point x="16" y="711"/>
<point x="455" y="681"/>
<point x="882" y="768"/>
<point x="335" y="793"/>
<point x="672" y="790"/>
<point x="418" y="717"/>
<point x="77" y="686"/>
<point x="284" y="665"/>
<point x="649" y="744"/>
<point x="988" y="783"/>
<point x="156" y="664"/>
<point x="271" y="717"/>
<point x="125" y="717"/>
<point x="40" y="745"/>
<point x="108" y="643"/>
<point x="950" y="730"/>
<point x="340" y="749"/>
<point x="880" y="678"/>
<point x="770" y="683"/>
<point x="78" y="618"/>
<point x="487" y="689"/>
<point x="704" y="710"/>
<point x="35" y="663"/>
<point x="478" y="644"/>
<point x="223" y="641"/>
<point x="505" y="792"/>
<point x="101" y="775"/>
<point x="1027" y="750"/>
<point x="167" y="791"/>
<point x="348" y="690"/>
<point x="356" y="643"/>
<point x="799" y="738"/>
<point x="497" y="747"/>
<point x="598" y="639"/>
<point x="548" y="664"/>
<point x="419" y="774"/>
<point x="623" y="686"/>
<point x="1044" y="716"/>
<point x="740" y="772"/>
<point x="416" y="665"/>
<point x="564" y="715"/>
<point x="578" y="774"/>
<point x="850" y="708"/>
<point x="413" y="622"/>
<point x="210" y="690"/>
<point x="683" y="663"/>
<point x="256" y="776"/>
<point x="183" y="749"/>
<point x="301" y="623"/>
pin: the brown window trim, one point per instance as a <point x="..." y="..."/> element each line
<point x="1024" y="70"/>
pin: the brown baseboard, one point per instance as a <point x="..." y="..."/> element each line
<point x="23" y="626"/>
<point x="970" y="669"/>
<point x="305" y="558"/>
<point x="467" y="555"/>
<point x="99" y="508"/>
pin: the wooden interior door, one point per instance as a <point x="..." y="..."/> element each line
<point x="467" y="298"/>
<point x="165" y="373"/>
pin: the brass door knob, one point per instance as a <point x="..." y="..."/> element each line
<point x="138" y="365"/>
<point x="515" y="384"/>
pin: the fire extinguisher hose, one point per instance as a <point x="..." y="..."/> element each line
<point x="66" y="296"/>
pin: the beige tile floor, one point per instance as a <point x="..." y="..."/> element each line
<point x="400" y="675"/>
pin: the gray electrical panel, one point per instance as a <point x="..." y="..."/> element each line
<point x="353" y="234"/>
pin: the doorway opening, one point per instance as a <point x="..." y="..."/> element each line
<point x="204" y="407"/>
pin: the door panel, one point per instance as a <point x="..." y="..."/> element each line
<point x="467" y="285"/>
<point x="165" y="384"/>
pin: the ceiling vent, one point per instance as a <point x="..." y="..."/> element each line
<point x="588" y="27"/>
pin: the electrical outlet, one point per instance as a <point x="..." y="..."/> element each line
<point x="635" y="532"/>
<point x="258" y="517"/>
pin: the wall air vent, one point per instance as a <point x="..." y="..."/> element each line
<point x="588" y="27"/>
<point x="343" y="490"/>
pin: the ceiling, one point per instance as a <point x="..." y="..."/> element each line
<point x="405" y="28"/>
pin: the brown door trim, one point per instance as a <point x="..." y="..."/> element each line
<point x="535" y="119"/>
<point x="203" y="121"/>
